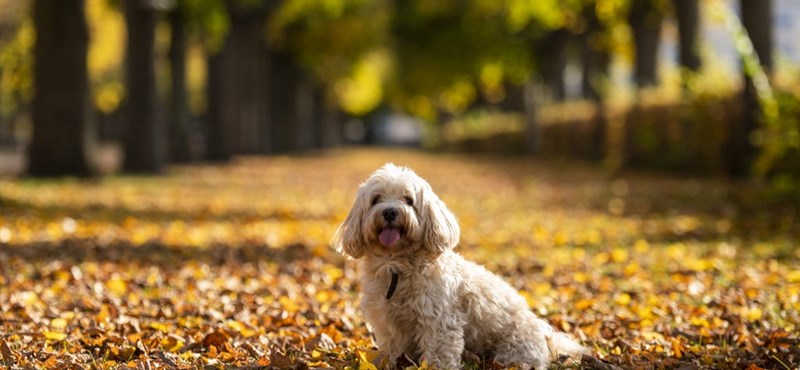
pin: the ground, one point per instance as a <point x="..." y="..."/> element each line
<point x="229" y="266"/>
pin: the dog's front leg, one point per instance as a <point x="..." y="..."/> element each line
<point x="393" y="343"/>
<point x="441" y="340"/>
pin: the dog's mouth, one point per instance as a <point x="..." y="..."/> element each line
<point x="389" y="236"/>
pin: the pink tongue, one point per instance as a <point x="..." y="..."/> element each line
<point x="389" y="236"/>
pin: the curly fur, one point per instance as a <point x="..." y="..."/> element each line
<point x="443" y="304"/>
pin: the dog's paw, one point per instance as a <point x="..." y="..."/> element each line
<point x="403" y="362"/>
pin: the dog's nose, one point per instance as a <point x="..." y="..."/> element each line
<point x="389" y="214"/>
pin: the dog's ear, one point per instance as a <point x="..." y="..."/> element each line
<point x="349" y="238"/>
<point x="440" y="230"/>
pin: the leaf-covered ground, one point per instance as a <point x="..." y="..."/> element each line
<point x="229" y="266"/>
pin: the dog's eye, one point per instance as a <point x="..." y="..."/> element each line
<point x="375" y="200"/>
<point x="409" y="201"/>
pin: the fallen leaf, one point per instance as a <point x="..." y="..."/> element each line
<point x="54" y="335"/>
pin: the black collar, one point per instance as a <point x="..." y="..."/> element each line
<point x="392" y="285"/>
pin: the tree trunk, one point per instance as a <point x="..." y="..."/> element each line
<point x="3" y="129"/>
<point x="305" y="108"/>
<point x="328" y="120"/>
<point x="757" y="20"/>
<point x="688" y="14"/>
<point x="239" y="107"/>
<point x="594" y="55"/>
<point x="554" y="62"/>
<point x="143" y="134"/>
<point x="61" y="105"/>
<point x="531" y="120"/>
<point x="248" y="71"/>
<point x="179" y="116"/>
<point x="515" y="98"/>
<point x="645" y="21"/>
<point x="217" y="140"/>
<point x="282" y="95"/>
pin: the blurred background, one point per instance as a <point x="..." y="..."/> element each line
<point x="98" y="86"/>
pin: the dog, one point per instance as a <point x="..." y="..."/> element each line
<point x="422" y="299"/>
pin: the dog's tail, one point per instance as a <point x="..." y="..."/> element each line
<point x="561" y="345"/>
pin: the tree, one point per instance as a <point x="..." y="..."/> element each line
<point x="284" y="76"/>
<point x="322" y="59"/>
<point x="16" y="60"/>
<point x="645" y="19"/>
<point x="687" y="13"/>
<point x="757" y="21"/>
<point x="553" y="56"/>
<point x="61" y="130"/>
<point x="144" y="134"/>
<point x="594" y="54"/>
<point x="178" y="112"/>
<point x="238" y="82"/>
<point x="217" y="141"/>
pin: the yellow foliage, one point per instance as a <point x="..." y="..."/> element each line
<point x="361" y="92"/>
<point x="106" y="52"/>
<point x="365" y="359"/>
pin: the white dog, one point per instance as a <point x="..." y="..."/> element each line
<point x="423" y="299"/>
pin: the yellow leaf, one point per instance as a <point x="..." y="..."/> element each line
<point x="699" y="264"/>
<point x="622" y="299"/>
<point x="241" y="328"/>
<point x="54" y="335"/>
<point x="58" y="323"/>
<point x="212" y="352"/>
<point x="171" y="343"/>
<point x="542" y="288"/>
<point x="641" y="246"/>
<point x="51" y="362"/>
<point x="699" y="321"/>
<point x="560" y="238"/>
<point x="326" y="296"/>
<point x="288" y="304"/>
<point x="793" y="276"/>
<point x="365" y="359"/>
<point x="619" y="255"/>
<point x="652" y="336"/>
<point x="677" y="348"/>
<point x="594" y="237"/>
<point x="333" y="272"/>
<point x="601" y="258"/>
<point x="160" y="326"/>
<point x="583" y="304"/>
<point x="117" y="286"/>
<point x="631" y="269"/>
<point x="63" y="275"/>
<point x="580" y="277"/>
<point x="753" y="313"/>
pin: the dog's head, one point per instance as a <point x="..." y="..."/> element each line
<point x="396" y="211"/>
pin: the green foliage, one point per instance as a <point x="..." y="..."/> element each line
<point x="207" y="20"/>
<point x="343" y="44"/>
<point x="16" y="65"/>
<point x="779" y="132"/>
